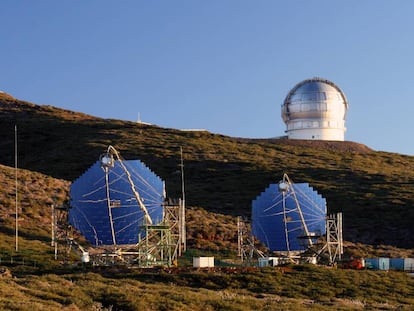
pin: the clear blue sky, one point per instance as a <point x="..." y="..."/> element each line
<point x="221" y="65"/>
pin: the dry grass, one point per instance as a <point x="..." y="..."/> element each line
<point x="303" y="288"/>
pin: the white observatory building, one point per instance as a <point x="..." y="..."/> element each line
<point x="315" y="109"/>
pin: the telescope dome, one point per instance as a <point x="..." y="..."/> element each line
<point x="315" y="109"/>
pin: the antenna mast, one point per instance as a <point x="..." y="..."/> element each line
<point x="16" y="185"/>
<point x="182" y="216"/>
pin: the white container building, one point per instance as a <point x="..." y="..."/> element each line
<point x="203" y="262"/>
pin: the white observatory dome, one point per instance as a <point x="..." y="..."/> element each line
<point x="315" y="109"/>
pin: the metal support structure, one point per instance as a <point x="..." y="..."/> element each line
<point x="108" y="198"/>
<point x="163" y="243"/>
<point x="107" y="162"/>
<point x="240" y="238"/>
<point x="246" y="247"/>
<point x="173" y="218"/>
<point x="159" y="246"/>
<point x="60" y="232"/>
<point x="156" y="248"/>
<point x="284" y="186"/>
<point x="53" y="242"/>
<point x="334" y="240"/>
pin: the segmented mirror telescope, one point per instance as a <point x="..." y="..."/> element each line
<point x="103" y="206"/>
<point x="281" y="212"/>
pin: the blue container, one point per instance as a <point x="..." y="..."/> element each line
<point x="380" y="263"/>
<point x="397" y="264"/>
<point x="402" y="264"/>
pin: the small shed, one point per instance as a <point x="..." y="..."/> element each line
<point x="269" y="262"/>
<point x="203" y="262"/>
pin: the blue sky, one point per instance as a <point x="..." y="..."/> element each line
<point x="221" y="65"/>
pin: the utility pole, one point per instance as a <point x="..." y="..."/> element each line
<point x="182" y="216"/>
<point x="16" y="186"/>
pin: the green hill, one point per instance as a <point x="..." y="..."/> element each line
<point x="374" y="190"/>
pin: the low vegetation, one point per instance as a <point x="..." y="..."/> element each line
<point x="288" y="288"/>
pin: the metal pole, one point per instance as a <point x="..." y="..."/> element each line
<point x="340" y="238"/>
<point x="16" y="185"/>
<point x="109" y="208"/>
<point x="52" y="242"/>
<point x="183" y="232"/>
<point x="285" y="223"/>
<point x="240" y="238"/>
<point x="131" y="184"/>
<point x="54" y="230"/>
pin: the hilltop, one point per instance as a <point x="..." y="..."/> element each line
<point x="223" y="174"/>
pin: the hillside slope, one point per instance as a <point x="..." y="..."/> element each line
<point x="373" y="189"/>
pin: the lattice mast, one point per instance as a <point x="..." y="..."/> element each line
<point x="334" y="239"/>
<point x="246" y="248"/>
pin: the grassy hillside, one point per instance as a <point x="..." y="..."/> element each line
<point x="292" y="288"/>
<point x="373" y="189"/>
<point x="34" y="281"/>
